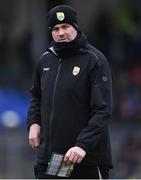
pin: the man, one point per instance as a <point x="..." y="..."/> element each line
<point x="70" y="108"/>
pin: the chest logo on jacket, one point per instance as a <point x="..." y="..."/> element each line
<point x="76" y="70"/>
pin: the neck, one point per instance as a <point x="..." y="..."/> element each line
<point x="66" y="49"/>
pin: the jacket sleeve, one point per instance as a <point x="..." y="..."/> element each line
<point x="100" y="104"/>
<point x="34" y="112"/>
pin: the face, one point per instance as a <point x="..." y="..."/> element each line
<point x="63" y="33"/>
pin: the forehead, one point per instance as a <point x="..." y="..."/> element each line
<point x="61" y="25"/>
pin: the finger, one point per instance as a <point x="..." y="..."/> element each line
<point x="67" y="155"/>
<point x="71" y="157"/>
<point x="75" y="159"/>
<point x="79" y="160"/>
<point x="31" y="142"/>
<point x="34" y="142"/>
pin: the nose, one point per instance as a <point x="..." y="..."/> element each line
<point x="61" y="32"/>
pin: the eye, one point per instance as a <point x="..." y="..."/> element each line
<point x="65" y="26"/>
<point x="55" y="29"/>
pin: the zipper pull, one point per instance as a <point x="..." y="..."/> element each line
<point x="60" y="60"/>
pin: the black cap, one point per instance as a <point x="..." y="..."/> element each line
<point x="62" y="14"/>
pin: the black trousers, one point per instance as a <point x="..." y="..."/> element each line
<point x="79" y="172"/>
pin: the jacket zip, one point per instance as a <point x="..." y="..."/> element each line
<point x="52" y="109"/>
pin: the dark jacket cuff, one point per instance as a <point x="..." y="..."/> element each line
<point x="32" y="122"/>
<point x="83" y="146"/>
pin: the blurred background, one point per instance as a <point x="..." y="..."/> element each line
<point x="112" y="26"/>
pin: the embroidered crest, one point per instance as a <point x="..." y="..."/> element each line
<point x="60" y="16"/>
<point x="104" y="78"/>
<point x="76" y="70"/>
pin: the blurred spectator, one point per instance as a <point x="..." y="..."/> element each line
<point x="129" y="160"/>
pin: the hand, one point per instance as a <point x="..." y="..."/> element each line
<point x="74" y="155"/>
<point x="34" y="135"/>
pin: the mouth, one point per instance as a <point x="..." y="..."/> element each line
<point x="63" y="40"/>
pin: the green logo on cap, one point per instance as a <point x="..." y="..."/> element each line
<point x="60" y="16"/>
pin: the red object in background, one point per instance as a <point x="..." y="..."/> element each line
<point x="135" y="75"/>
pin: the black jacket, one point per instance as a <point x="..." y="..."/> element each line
<point x="71" y="100"/>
